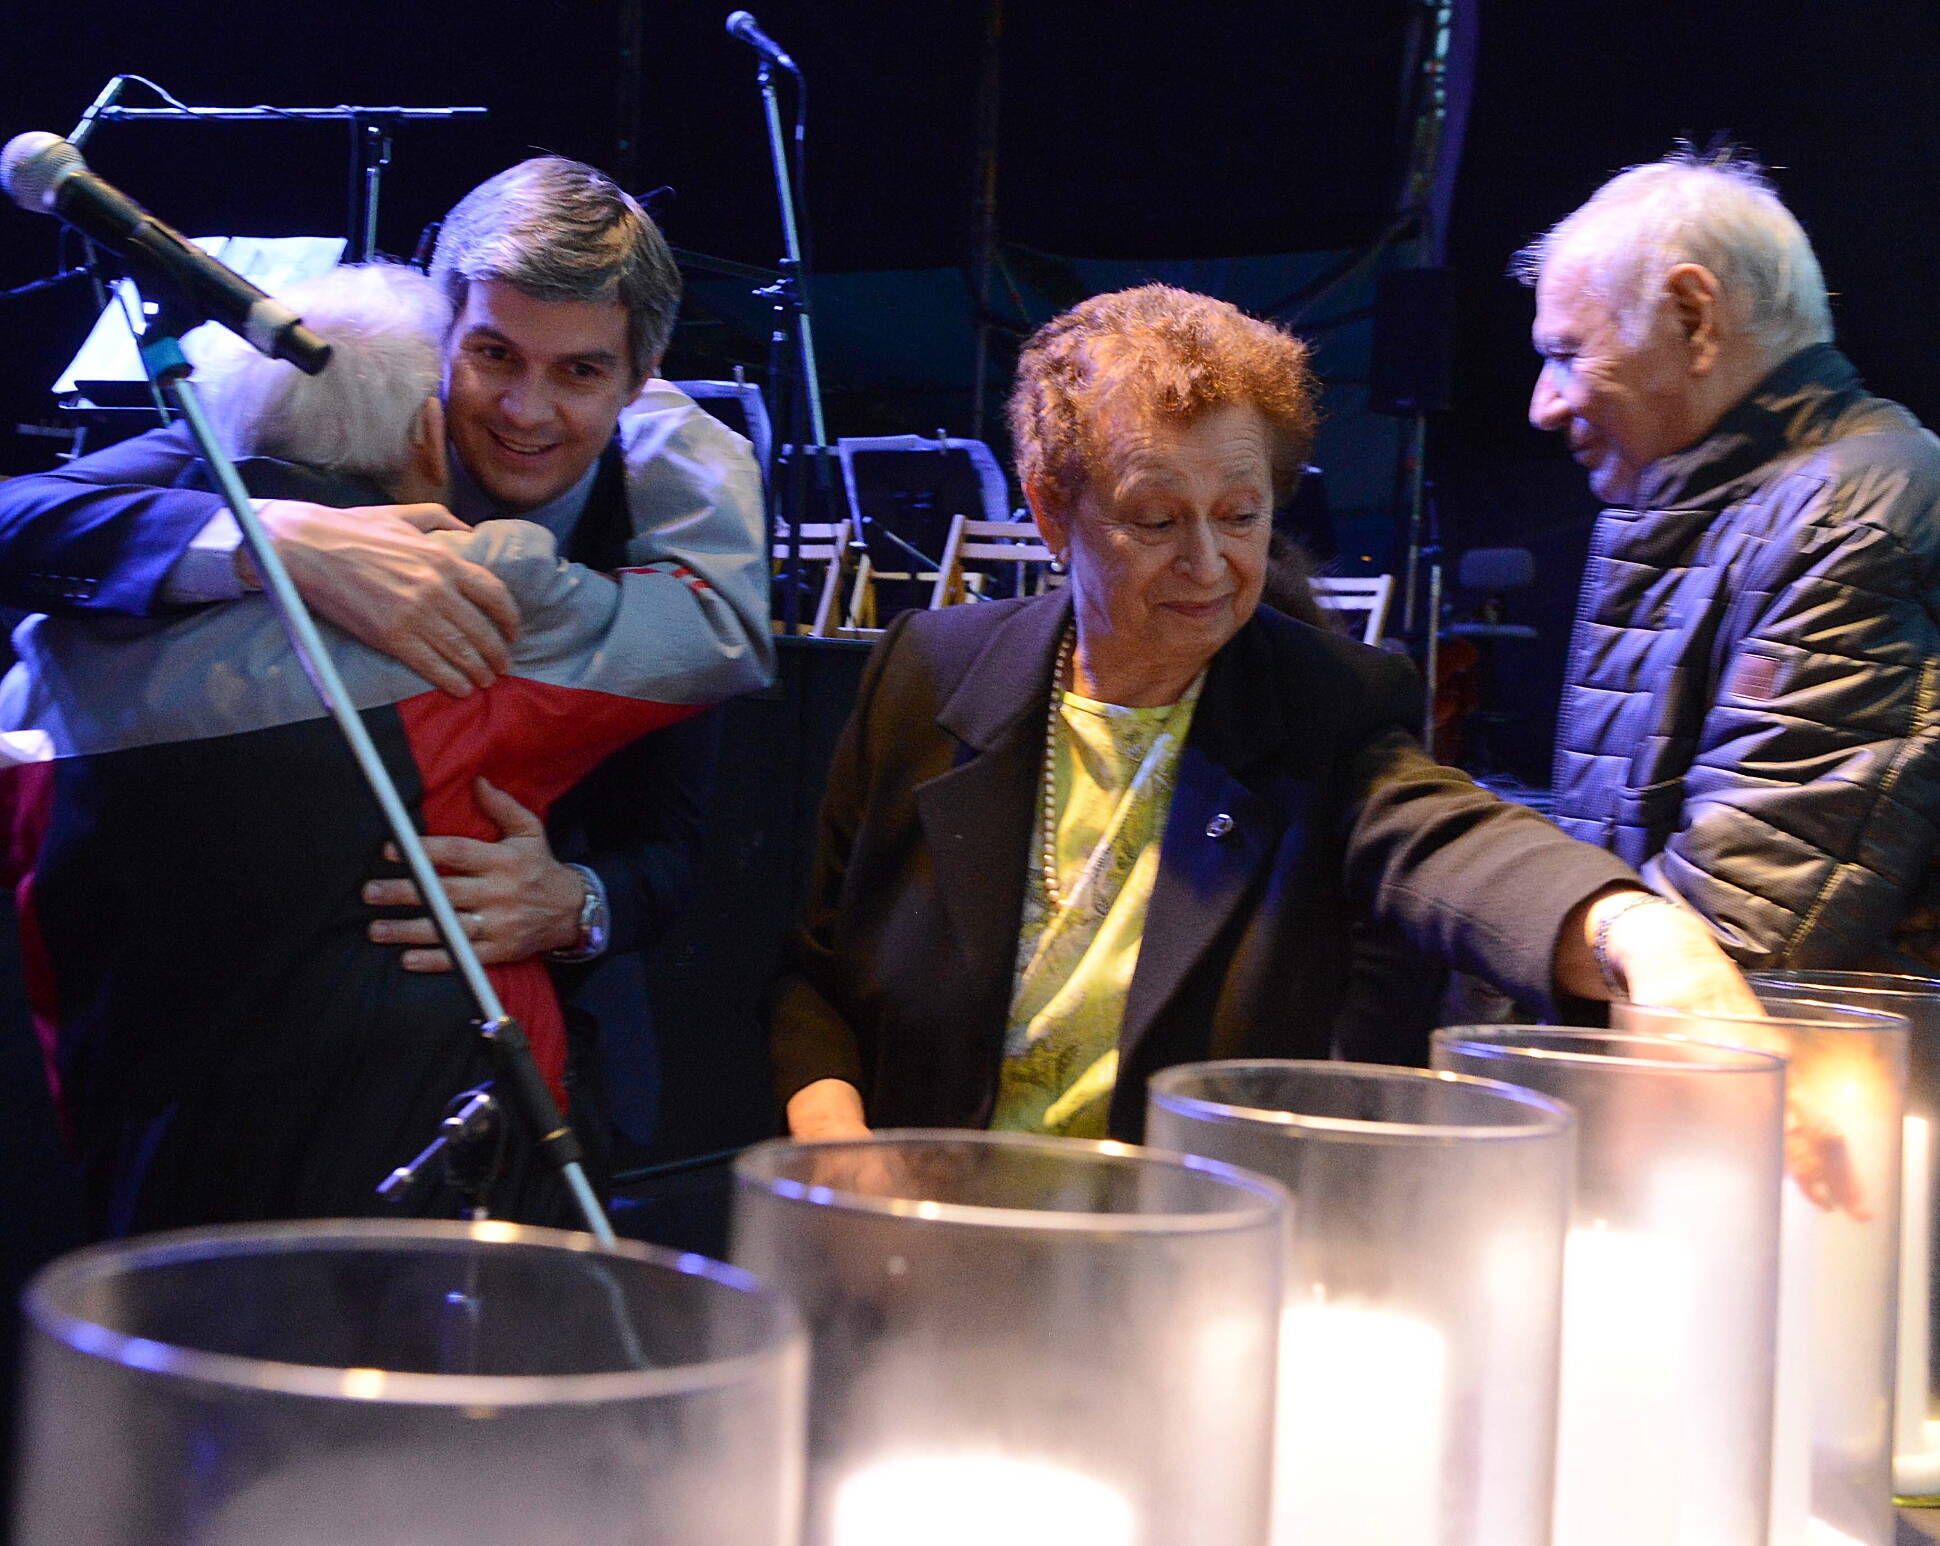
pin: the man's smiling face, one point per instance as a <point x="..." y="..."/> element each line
<point x="533" y="390"/>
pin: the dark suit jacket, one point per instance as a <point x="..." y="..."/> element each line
<point x="636" y="819"/>
<point x="901" y="975"/>
<point x="100" y="535"/>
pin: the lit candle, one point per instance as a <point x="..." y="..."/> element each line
<point x="1620" y="1441"/>
<point x="1916" y="1466"/>
<point x="976" y="1499"/>
<point x="1792" y="1399"/>
<point x="1359" y="1439"/>
<point x="1838" y="1276"/>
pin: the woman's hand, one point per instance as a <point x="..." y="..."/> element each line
<point x="1661" y="952"/>
<point x="828" y="1108"/>
<point x="1665" y="955"/>
<point x="1669" y="960"/>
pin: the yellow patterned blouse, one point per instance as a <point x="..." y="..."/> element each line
<point x="1113" y="771"/>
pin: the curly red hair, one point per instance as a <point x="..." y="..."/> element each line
<point x="1154" y="350"/>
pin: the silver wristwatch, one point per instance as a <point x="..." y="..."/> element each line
<point x="594" y="922"/>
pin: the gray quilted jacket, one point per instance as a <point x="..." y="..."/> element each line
<point x="1750" y="714"/>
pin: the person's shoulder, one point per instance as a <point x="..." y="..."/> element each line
<point x="1880" y="433"/>
<point x="1301" y="645"/>
<point x="269" y="477"/>
<point x="660" y="416"/>
<point x="1320" y="671"/>
<point x="948" y="629"/>
<point x="941" y="646"/>
<point x="1883" y="470"/>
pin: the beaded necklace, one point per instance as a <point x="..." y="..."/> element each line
<point x="1047" y="859"/>
<point x="1048" y="856"/>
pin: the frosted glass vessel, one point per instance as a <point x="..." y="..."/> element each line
<point x="1669" y="1288"/>
<point x="406" y="1384"/>
<point x="1839" y="1273"/>
<point x="1916" y="1398"/>
<point x="1024" y="1340"/>
<point x="1424" y="1275"/>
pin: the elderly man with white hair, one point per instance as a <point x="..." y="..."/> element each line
<point x="225" y="1038"/>
<point x="1751" y="713"/>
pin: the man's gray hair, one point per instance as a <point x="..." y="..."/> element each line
<point x="386" y="324"/>
<point x="1718" y="210"/>
<point x="559" y="230"/>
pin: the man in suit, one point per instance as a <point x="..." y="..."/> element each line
<point x="565" y="295"/>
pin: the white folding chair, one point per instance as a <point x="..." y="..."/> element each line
<point x="827" y="545"/>
<point x="1367" y="594"/>
<point x="991" y="543"/>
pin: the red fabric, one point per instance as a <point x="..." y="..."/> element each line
<point x="534" y="741"/>
<point x="27" y="792"/>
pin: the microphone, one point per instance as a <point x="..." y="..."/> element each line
<point x="742" y="25"/>
<point x="45" y="174"/>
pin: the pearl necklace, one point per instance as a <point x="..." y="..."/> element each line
<point x="1048" y="857"/>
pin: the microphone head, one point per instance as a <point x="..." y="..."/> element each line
<point x="738" y="22"/>
<point x="34" y="165"/>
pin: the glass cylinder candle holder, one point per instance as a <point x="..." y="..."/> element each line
<point x="387" y="1383"/>
<point x="1029" y="1340"/>
<point x="1916" y="1384"/>
<point x="1418" y="1348"/>
<point x="1669" y="1296"/>
<point x="1839" y="1258"/>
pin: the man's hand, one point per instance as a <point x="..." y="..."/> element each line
<point x="830" y="1110"/>
<point x="374" y="573"/>
<point x="514" y="899"/>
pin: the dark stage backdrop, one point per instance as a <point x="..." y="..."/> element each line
<point x="1185" y="133"/>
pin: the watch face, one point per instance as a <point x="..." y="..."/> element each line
<point x="592" y="919"/>
<point x="593" y="924"/>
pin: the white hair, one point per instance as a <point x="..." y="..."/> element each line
<point x="386" y="326"/>
<point x="1717" y="210"/>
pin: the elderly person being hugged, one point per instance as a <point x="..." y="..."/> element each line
<point x="1069" y="841"/>
<point x="226" y="1038"/>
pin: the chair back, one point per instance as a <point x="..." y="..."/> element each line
<point x="973" y="548"/>
<point x="1367" y="594"/>
<point x="818" y="543"/>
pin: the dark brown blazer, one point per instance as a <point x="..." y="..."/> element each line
<point x="1302" y="800"/>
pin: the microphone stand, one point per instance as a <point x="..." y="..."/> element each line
<point x="807" y="433"/>
<point x="517" y="1078"/>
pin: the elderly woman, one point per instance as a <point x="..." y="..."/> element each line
<point x="226" y="1039"/>
<point x="1069" y="841"/>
